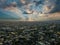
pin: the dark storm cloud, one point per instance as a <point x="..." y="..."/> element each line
<point x="6" y="3"/>
<point x="50" y="5"/>
<point x="57" y="7"/>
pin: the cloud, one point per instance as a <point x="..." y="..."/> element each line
<point x="23" y="1"/>
<point x="32" y="10"/>
<point x="30" y="5"/>
<point x="14" y="10"/>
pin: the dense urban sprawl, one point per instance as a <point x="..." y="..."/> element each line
<point x="29" y="33"/>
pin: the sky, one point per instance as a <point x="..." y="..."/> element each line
<point x="30" y="10"/>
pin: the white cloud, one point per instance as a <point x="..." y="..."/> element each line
<point x="23" y="1"/>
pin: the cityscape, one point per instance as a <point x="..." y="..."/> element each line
<point x="29" y="33"/>
<point x="29" y="22"/>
